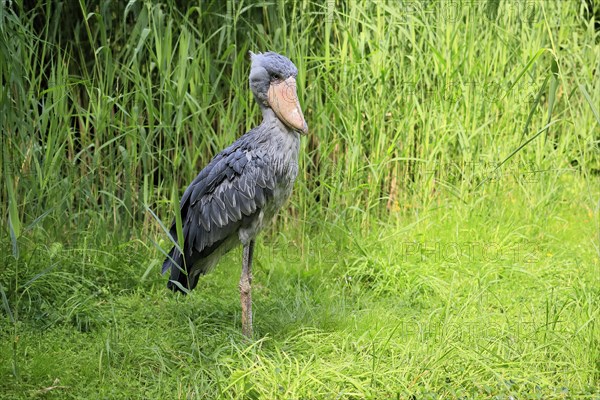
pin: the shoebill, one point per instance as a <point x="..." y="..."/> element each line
<point x="244" y="186"/>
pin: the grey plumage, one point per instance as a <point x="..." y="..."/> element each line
<point x="243" y="186"/>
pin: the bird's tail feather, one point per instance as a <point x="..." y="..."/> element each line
<point x="172" y="257"/>
<point x="178" y="281"/>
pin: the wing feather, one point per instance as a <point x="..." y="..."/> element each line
<point x="259" y="195"/>
<point x="233" y="186"/>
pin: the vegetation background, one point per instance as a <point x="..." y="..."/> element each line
<point x="442" y="240"/>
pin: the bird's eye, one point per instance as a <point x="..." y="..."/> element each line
<point x="276" y="76"/>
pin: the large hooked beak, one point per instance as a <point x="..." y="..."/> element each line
<point x="283" y="100"/>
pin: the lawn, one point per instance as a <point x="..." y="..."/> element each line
<point x="490" y="299"/>
<point x="442" y="240"/>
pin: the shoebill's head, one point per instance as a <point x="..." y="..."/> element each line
<point x="273" y="82"/>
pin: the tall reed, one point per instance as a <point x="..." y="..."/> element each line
<point x="110" y="107"/>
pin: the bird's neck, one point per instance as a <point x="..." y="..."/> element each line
<point x="270" y="120"/>
<point x="284" y="142"/>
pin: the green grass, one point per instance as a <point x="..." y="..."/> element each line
<point x="442" y="241"/>
<point x="438" y="305"/>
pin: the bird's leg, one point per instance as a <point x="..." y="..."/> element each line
<point x="245" y="290"/>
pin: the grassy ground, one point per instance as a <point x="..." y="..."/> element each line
<point x="468" y="300"/>
<point x="443" y="237"/>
